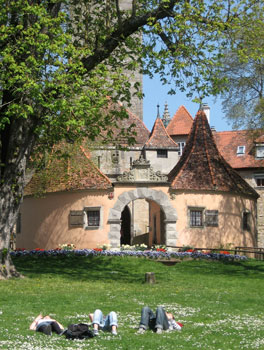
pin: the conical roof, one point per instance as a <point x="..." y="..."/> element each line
<point x="201" y="166"/>
<point x="180" y="123"/>
<point x="159" y="137"/>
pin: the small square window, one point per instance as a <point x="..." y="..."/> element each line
<point x="92" y="217"/>
<point x="196" y="217"/>
<point x="241" y="150"/>
<point x="259" y="179"/>
<point x="162" y="153"/>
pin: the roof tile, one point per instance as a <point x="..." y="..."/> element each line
<point x="181" y="123"/>
<point x="201" y="166"/>
<point x="76" y="173"/>
<point x="228" y="142"/>
<point x="159" y="137"/>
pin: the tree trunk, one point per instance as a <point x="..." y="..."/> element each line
<point x="17" y="141"/>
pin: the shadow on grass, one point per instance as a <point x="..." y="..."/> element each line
<point x="250" y="268"/>
<point x="130" y="269"/>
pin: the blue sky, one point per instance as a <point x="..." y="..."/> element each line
<point x="156" y="93"/>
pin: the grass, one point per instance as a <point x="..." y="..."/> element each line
<point x="220" y="304"/>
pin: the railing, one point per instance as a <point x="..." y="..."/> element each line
<point x="252" y="252"/>
<point x="257" y="252"/>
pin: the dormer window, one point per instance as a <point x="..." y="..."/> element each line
<point x="182" y="145"/>
<point x="241" y="150"/>
<point x="260" y="151"/>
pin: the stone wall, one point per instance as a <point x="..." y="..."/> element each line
<point x="249" y="177"/>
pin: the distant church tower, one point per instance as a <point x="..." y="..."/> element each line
<point x="166" y="116"/>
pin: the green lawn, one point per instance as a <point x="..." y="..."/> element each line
<point x="220" y="304"/>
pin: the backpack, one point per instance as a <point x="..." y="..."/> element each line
<point x="78" y="331"/>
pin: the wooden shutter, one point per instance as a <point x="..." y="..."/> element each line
<point x="76" y="218"/>
<point x="211" y="218"/>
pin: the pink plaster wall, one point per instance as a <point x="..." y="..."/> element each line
<point x="44" y="221"/>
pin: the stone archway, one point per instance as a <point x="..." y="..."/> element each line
<point x="142" y="193"/>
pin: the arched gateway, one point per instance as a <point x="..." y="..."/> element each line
<point x="143" y="193"/>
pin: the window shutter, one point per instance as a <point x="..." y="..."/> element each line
<point x="211" y="218"/>
<point x="76" y="218"/>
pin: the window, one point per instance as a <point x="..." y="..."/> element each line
<point x="260" y="151"/>
<point x="92" y="217"/>
<point x="115" y="157"/>
<point x="181" y="145"/>
<point x="259" y="179"/>
<point x="245" y="221"/>
<point x="89" y="217"/>
<point x="196" y="217"/>
<point x="240" y="150"/>
<point x="211" y="218"/>
<point x="162" y="153"/>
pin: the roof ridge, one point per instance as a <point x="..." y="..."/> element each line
<point x="208" y="157"/>
<point x="186" y="161"/>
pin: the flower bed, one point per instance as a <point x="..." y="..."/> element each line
<point x="152" y="254"/>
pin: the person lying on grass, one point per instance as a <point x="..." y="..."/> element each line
<point x="105" y="323"/>
<point x="46" y="325"/>
<point x="161" y="321"/>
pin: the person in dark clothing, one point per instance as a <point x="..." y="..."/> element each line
<point x="158" y="322"/>
<point x="46" y="325"/>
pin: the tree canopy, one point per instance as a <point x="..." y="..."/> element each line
<point x="243" y="72"/>
<point x="61" y="60"/>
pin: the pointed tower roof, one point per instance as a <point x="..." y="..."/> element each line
<point x="201" y="167"/>
<point x="180" y="123"/>
<point x="159" y="137"/>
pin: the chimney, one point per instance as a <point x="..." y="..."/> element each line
<point x="204" y="107"/>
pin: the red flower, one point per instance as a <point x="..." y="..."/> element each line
<point x="190" y="250"/>
<point x="98" y="249"/>
<point x="161" y="250"/>
<point x="224" y="252"/>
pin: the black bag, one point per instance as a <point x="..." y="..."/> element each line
<point x="78" y="331"/>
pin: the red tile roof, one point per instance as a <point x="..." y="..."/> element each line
<point x="159" y="137"/>
<point x="260" y="139"/>
<point x="138" y="129"/>
<point x="201" y="167"/>
<point x="228" y="142"/>
<point x="181" y="123"/>
<point x="76" y="173"/>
